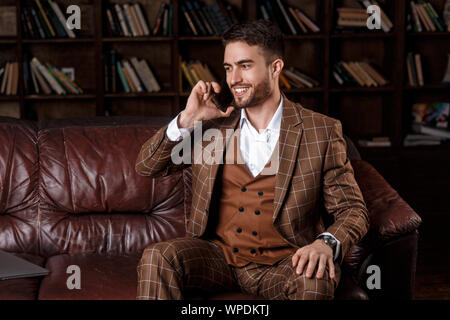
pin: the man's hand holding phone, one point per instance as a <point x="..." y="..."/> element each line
<point x="201" y="106"/>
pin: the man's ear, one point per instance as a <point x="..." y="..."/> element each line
<point x="277" y="66"/>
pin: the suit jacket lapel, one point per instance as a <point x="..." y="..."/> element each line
<point x="289" y="141"/>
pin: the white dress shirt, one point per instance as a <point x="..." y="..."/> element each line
<point x="256" y="148"/>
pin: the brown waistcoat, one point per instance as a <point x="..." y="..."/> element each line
<point x="245" y="229"/>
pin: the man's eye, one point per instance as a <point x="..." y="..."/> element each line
<point x="246" y="66"/>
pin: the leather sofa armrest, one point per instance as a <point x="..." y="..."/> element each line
<point x="389" y="215"/>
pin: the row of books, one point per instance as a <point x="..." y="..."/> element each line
<point x="414" y="69"/>
<point x="194" y="71"/>
<point x="356" y="18"/>
<point x="47" y="79"/>
<point x="9" y="78"/>
<point x="425" y="18"/>
<point x="207" y="20"/>
<point x="358" y="73"/>
<point x="379" y="141"/>
<point x="129" y="20"/>
<point x="289" y="19"/>
<point x="133" y="74"/>
<point x="292" y="78"/>
<point x="43" y="19"/>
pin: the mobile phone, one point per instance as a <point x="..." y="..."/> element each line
<point x="224" y="98"/>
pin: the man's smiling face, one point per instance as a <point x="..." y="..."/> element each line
<point x="247" y="73"/>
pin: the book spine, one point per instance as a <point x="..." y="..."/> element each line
<point x="136" y="21"/>
<point x="141" y="74"/>
<point x="54" y="19"/>
<point x="189" y="21"/>
<point x="419" y="69"/>
<point x="44" y="17"/>
<point x="61" y="18"/>
<point x="34" y="33"/>
<point x="122" y="77"/>
<point x="38" y="23"/>
<point x="170" y="20"/>
<point x="142" y="20"/>
<point x="413" y="68"/>
<point x="128" y="78"/>
<point x="434" y="18"/>
<point x="121" y="17"/>
<point x="416" y="16"/>
<point x="114" y="71"/>
<point x="195" y="18"/>
<point x="67" y="88"/>
<point x="203" y="19"/>
<point x="166" y="22"/>
<point x="111" y="26"/>
<point x="159" y="18"/>
<point x="71" y="83"/>
<point x="187" y="74"/>
<point x="128" y="20"/>
<point x="133" y="76"/>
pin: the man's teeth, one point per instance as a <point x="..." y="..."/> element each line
<point x="240" y="90"/>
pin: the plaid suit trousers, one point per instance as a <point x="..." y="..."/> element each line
<point x="171" y="268"/>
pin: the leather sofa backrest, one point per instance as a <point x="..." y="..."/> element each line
<point x="79" y="191"/>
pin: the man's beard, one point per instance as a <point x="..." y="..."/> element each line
<point x="259" y="94"/>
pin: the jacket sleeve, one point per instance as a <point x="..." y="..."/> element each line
<point x="342" y="196"/>
<point x="155" y="158"/>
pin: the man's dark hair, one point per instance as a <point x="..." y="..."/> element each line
<point x="261" y="33"/>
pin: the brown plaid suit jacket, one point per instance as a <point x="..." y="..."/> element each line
<point x="314" y="173"/>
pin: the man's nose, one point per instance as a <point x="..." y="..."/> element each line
<point x="235" y="77"/>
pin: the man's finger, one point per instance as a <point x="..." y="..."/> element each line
<point x="301" y="263"/>
<point x="227" y="112"/>
<point x="208" y="91"/>
<point x="331" y="267"/>
<point x="216" y="87"/>
<point x="322" y="265"/>
<point x="202" y="85"/>
<point x="311" y="264"/>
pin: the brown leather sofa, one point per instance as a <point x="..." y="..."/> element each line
<point x="69" y="195"/>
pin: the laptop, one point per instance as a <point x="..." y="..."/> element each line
<point x="12" y="267"/>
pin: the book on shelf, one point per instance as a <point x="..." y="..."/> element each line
<point x="135" y="75"/>
<point x="381" y="141"/>
<point x="194" y="71"/>
<point x="355" y="19"/>
<point x="292" y="78"/>
<point x="446" y="78"/>
<point x="422" y="140"/>
<point x="358" y="73"/>
<point x="9" y="78"/>
<point x="46" y="78"/>
<point x="8" y="21"/>
<point x="446" y="14"/>
<point x="414" y="69"/>
<point x="424" y="17"/>
<point x="130" y="20"/>
<point x="291" y="20"/>
<point x="201" y="19"/>
<point x="430" y="123"/>
<point x="43" y="19"/>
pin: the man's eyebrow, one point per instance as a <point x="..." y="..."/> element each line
<point x="225" y="64"/>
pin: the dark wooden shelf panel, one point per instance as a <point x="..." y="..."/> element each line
<point x="59" y="40"/>
<point x="37" y="97"/>
<point x="303" y="90"/>
<point x="362" y="35"/>
<point x="428" y="34"/>
<point x="305" y="36"/>
<point x="362" y="89"/>
<point x="124" y="95"/>
<point x="193" y="38"/>
<point x="137" y="39"/>
<point x="9" y="98"/>
<point x="8" y="40"/>
<point x="431" y="86"/>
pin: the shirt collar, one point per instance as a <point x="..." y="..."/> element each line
<point x="274" y="124"/>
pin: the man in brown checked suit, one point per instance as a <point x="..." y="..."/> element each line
<point x="252" y="227"/>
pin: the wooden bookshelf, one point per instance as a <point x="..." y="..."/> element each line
<point x="363" y="111"/>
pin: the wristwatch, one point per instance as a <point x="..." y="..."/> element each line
<point x="330" y="241"/>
